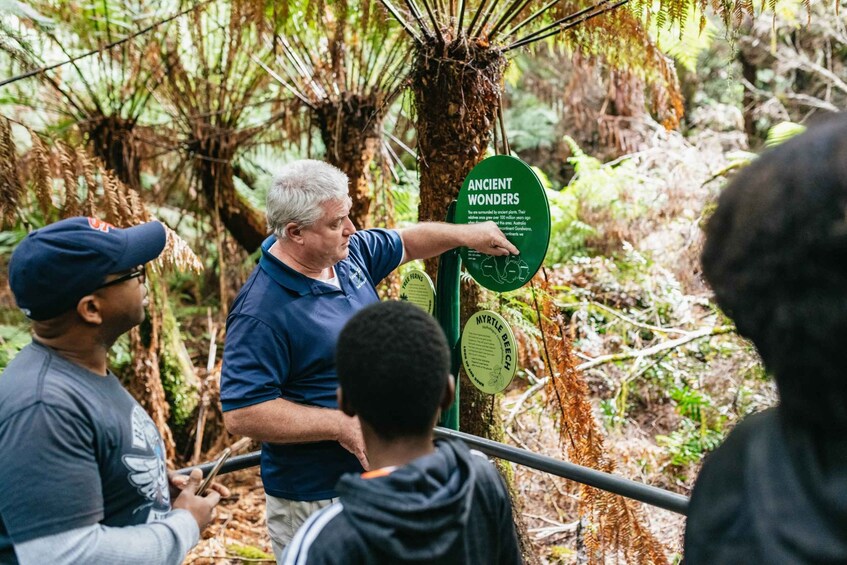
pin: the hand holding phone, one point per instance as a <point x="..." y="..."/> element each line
<point x="210" y="476"/>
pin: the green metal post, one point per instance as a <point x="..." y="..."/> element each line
<point x="447" y="314"/>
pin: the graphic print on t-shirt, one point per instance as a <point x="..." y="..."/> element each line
<point x="148" y="473"/>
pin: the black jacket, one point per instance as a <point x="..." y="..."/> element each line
<point x="447" y="507"/>
<point x="772" y="493"/>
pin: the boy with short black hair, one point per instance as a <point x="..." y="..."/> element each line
<point x="424" y="502"/>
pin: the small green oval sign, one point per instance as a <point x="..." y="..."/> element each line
<point x="507" y="191"/>
<point x="489" y="352"/>
<point x="418" y="289"/>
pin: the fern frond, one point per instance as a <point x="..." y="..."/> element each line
<point x="110" y="194"/>
<point x="178" y="254"/>
<point x="618" y="522"/>
<point x="68" y="167"/>
<point x="89" y="206"/>
<point x="11" y="188"/>
<point x="41" y="176"/>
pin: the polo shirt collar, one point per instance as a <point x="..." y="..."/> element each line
<point x="287" y="277"/>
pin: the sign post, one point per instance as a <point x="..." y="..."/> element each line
<point x="447" y="314"/>
<point x="505" y="190"/>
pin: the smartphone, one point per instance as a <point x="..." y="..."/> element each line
<point x="210" y="476"/>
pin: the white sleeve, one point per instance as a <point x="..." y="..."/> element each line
<point x="165" y="541"/>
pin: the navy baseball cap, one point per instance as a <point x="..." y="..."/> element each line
<point x="55" y="266"/>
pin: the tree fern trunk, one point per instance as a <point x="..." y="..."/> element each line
<point x="351" y="130"/>
<point x="213" y="166"/>
<point x="112" y="140"/>
<point x="457" y="92"/>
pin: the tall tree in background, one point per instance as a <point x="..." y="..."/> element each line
<point x="218" y="100"/>
<point x="105" y="94"/>
<point x="346" y="63"/>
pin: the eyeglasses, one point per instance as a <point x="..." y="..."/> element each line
<point x="135" y="273"/>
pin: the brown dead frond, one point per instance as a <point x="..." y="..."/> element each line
<point x="179" y="255"/>
<point x="43" y="183"/>
<point x="11" y="189"/>
<point x="70" y="177"/>
<point x="89" y="206"/>
<point x="138" y="211"/>
<point x="111" y="190"/>
<point x="614" y="524"/>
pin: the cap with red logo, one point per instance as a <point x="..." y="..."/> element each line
<point x="55" y="266"/>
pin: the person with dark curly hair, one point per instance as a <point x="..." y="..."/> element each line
<point x="776" y="257"/>
<point x="422" y="502"/>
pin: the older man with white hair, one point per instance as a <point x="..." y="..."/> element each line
<point x="278" y="381"/>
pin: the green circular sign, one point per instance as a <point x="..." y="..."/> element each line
<point x="507" y="191"/>
<point x="418" y="289"/>
<point x="489" y="352"/>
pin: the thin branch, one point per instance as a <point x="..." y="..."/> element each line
<point x="461" y="17"/>
<point x="399" y="142"/>
<point x="661" y="348"/>
<point x="523" y="398"/>
<point x="392" y="158"/>
<point x="306" y="74"/>
<point x="416" y="13"/>
<point x="488" y="14"/>
<point x="804" y="99"/>
<point x="435" y="25"/>
<point x="507" y="150"/>
<point x="657" y="329"/>
<point x="656" y="349"/>
<point x="508" y="16"/>
<point x="803" y="62"/>
<point x="476" y="17"/>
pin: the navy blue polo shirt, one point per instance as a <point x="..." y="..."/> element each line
<point x="280" y="342"/>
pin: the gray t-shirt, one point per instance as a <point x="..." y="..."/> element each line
<point x="77" y="450"/>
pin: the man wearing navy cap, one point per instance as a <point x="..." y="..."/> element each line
<point x="278" y="380"/>
<point x="84" y="477"/>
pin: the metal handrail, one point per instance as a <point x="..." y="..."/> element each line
<point x="585" y="475"/>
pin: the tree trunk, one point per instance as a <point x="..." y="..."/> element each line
<point x="213" y="165"/>
<point x="351" y="129"/>
<point x="111" y="138"/>
<point x="457" y="93"/>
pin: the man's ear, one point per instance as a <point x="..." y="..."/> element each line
<point x="449" y="393"/>
<point x="293" y="232"/>
<point x="343" y="405"/>
<point x="88" y="309"/>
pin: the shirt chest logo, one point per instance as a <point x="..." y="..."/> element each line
<point x="357" y="278"/>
